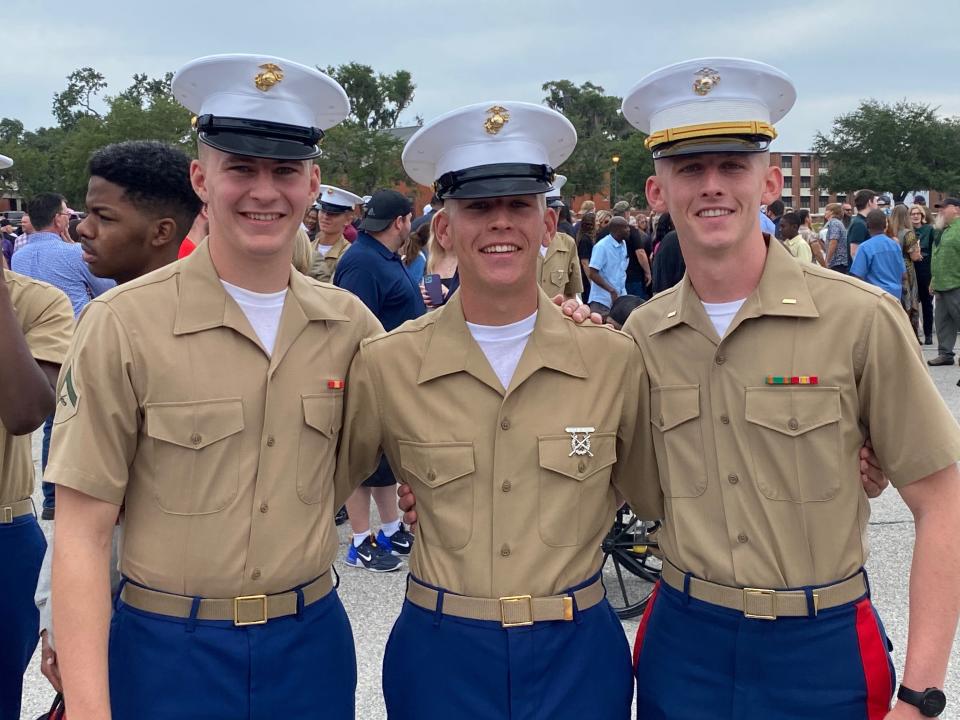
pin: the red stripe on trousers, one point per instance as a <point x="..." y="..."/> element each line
<point x="873" y="654"/>
<point x="642" y="630"/>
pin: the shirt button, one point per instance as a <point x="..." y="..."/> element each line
<point x="742" y="538"/>
<point x="724" y="419"/>
<point x="504" y="424"/>
<point x="506" y="486"/>
<point x="264" y="507"/>
<point x="431" y="476"/>
<point x="733" y="479"/>
<point x="720" y="360"/>
<point x="255" y="574"/>
<point x="196" y="439"/>
<point x="660" y="421"/>
<point x="505" y="550"/>
<point x="793" y="424"/>
<point x="581" y="467"/>
<point x="271" y="441"/>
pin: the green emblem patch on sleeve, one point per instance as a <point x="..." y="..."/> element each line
<point x="67" y="398"/>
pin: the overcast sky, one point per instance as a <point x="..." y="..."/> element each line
<point x="466" y="51"/>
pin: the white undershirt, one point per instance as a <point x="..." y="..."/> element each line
<point x="503" y="345"/>
<point x="543" y="251"/>
<point x="722" y="314"/>
<point x="323" y="249"/>
<point x="262" y="310"/>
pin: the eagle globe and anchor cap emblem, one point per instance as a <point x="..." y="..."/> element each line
<point x="498" y="116"/>
<point x="271" y="75"/>
<point x="706" y="80"/>
<point x="580" y="440"/>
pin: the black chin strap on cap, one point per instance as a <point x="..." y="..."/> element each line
<point x="529" y="179"/>
<point x="211" y="125"/>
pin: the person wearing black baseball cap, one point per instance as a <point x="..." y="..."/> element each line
<point x="374" y="272"/>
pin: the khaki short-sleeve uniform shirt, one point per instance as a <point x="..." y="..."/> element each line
<point x="761" y="481"/>
<point x="222" y="456"/>
<point x="558" y="271"/>
<point x="46" y="319"/>
<point x="323" y="267"/>
<point x="510" y="498"/>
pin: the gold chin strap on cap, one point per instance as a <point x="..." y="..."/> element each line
<point x="688" y="132"/>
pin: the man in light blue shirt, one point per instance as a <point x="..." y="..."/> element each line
<point x="49" y="258"/>
<point x="608" y="267"/>
<point x="879" y="260"/>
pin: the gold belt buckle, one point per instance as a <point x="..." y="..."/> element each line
<point x="754" y="592"/>
<point x="249" y="599"/>
<point x="7" y="515"/>
<point x="516" y="599"/>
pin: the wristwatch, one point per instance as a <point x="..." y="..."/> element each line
<point x="930" y="702"/>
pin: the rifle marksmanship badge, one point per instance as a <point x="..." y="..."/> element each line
<point x="580" y="440"/>
<point x="497" y="117"/>
<point x="271" y="75"/>
<point x="706" y="80"/>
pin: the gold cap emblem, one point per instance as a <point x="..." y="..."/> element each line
<point x="706" y="80"/>
<point x="498" y="116"/>
<point x="271" y="75"/>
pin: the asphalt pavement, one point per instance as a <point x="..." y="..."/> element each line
<point x="373" y="600"/>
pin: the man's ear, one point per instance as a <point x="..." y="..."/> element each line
<point x="549" y="226"/>
<point x="164" y="231"/>
<point x="198" y="178"/>
<point x="772" y="185"/>
<point x="655" y="194"/>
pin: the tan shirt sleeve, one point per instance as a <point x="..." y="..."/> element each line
<point x="97" y="421"/>
<point x="635" y="475"/>
<point x="50" y="328"/>
<point x="362" y="432"/>
<point x="912" y="439"/>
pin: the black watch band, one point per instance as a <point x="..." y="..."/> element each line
<point x="929" y="702"/>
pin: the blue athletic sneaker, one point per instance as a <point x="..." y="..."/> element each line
<point x="400" y="543"/>
<point x="371" y="556"/>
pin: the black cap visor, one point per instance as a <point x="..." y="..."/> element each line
<point x="555" y="202"/>
<point x="256" y="138"/>
<point x="713" y="144"/>
<point x="498" y="180"/>
<point x="331" y="209"/>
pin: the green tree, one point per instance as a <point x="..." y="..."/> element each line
<point x="376" y="100"/>
<point x="76" y="101"/>
<point x="891" y="147"/>
<point x="602" y="132"/>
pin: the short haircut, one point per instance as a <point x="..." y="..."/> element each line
<point x="155" y="178"/>
<point x="622" y="307"/>
<point x="43" y="208"/>
<point x="804" y="214"/>
<point x="792" y="218"/>
<point x="776" y="207"/>
<point x="835" y="208"/>
<point x="862" y="198"/>
<point x="876" y="221"/>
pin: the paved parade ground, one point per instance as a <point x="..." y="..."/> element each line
<point x="373" y="600"/>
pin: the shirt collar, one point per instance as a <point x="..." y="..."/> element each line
<point x="371" y="242"/>
<point x="452" y="349"/>
<point x="782" y="291"/>
<point x="43" y="237"/>
<point x="203" y="302"/>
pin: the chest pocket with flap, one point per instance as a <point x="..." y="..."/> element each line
<point x="678" y="439"/>
<point x="574" y="489"/>
<point x="317" y="448"/>
<point x="794" y="439"/>
<point x="195" y="454"/>
<point x="442" y="476"/>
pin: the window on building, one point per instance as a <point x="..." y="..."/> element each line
<point x="805" y="182"/>
<point x="805" y="162"/>
<point x="824" y="200"/>
<point x="786" y="162"/>
<point x="787" y="200"/>
<point x="805" y="202"/>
